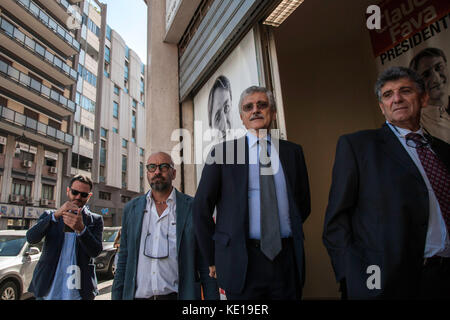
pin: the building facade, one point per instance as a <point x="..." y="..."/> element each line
<point x="108" y="140"/>
<point x="37" y="80"/>
<point x="72" y="100"/>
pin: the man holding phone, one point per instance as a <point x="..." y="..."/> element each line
<point x="73" y="237"/>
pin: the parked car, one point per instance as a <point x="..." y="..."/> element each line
<point x="17" y="262"/>
<point x="104" y="263"/>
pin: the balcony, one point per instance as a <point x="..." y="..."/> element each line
<point x="21" y="84"/>
<point x="59" y="8"/>
<point x="34" y="126"/>
<point x="31" y="51"/>
<point x="39" y="21"/>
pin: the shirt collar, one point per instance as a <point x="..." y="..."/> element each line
<point x="170" y="199"/>
<point x="252" y="139"/>
<point x="403" y="132"/>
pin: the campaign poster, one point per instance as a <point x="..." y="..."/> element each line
<point x="416" y="34"/>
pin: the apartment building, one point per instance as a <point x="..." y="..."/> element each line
<point x="37" y="80"/>
<point x="108" y="129"/>
<point x="72" y="101"/>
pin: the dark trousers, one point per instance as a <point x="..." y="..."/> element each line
<point x="265" y="279"/>
<point x="435" y="280"/>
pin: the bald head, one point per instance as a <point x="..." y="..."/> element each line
<point x="160" y="157"/>
<point x="160" y="171"/>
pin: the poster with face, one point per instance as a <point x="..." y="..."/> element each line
<point x="216" y="110"/>
<point x="415" y="34"/>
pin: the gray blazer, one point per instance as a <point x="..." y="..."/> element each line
<point x="192" y="268"/>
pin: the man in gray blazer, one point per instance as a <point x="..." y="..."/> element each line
<point x="159" y="257"/>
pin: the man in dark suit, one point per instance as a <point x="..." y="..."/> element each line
<point x="256" y="242"/>
<point x="158" y="257"/>
<point x="73" y="237"/>
<point x="387" y="221"/>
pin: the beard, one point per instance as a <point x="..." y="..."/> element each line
<point x="158" y="183"/>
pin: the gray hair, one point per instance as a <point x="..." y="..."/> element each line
<point x="254" y="89"/>
<point x="395" y="73"/>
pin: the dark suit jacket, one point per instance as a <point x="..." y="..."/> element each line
<point x="377" y="214"/>
<point x="88" y="246"/>
<point x="225" y="186"/>
<point x="192" y="268"/>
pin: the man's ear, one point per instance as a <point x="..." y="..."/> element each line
<point x="381" y="107"/>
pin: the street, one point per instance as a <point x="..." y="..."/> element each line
<point x="104" y="288"/>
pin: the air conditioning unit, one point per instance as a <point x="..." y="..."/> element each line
<point x="14" y="198"/>
<point x="27" y="163"/>
<point x="53" y="170"/>
<point x="44" y="202"/>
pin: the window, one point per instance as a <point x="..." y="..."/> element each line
<point x="21" y="188"/>
<point x="115" y="110"/>
<point x="124" y="163"/>
<point x="133" y="126"/>
<point x="126" y="70"/>
<point x="124" y="171"/>
<point x="102" y="152"/>
<point x="124" y="143"/>
<point x="87" y="75"/>
<point x="116" y="90"/>
<point x="125" y="199"/>
<point x="107" y="54"/>
<point x="142" y="86"/>
<point x="108" y="32"/>
<point x="127" y="52"/>
<point x="103" y="133"/>
<point x="142" y="68"/>
<point x="47" y="191"/>
<point x="104" y="195"/>
<point x="23" y="155"/>
<point x="134" y="103"/>
<point x="141" y="152"/>
<point x="115" y="130"/>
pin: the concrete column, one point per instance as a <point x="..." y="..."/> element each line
<point x="161" y="86"/>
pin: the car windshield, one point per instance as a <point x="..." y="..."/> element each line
<point x="11" y="245"/>
<point x="109" y="235"/>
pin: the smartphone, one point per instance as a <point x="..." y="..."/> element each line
<point x="66" y="227"/>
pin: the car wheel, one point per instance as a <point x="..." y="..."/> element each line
<point x="9" y="291"/>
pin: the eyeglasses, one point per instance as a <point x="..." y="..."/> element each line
<point x="260" y="105"/>
<point x="163" y="167"/>
<point x="416" y="143"/>
<point x="162" y="251"/>
<point x="76" y="192"/>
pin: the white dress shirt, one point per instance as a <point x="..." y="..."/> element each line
<point x="437" y="240"/>
<point x="158" y="238"/>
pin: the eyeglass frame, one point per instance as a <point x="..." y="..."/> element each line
<point x="260" y="105"/>
<point x="167" y="240"/>
<point x="166" y="167"/>
<point x="82" y="194"/>
<point x="424" y="143"/>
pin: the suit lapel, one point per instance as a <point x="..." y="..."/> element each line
<point x="395" y="150"/>
<point x="138" y="217"/>
<point x="182" y="214"/>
